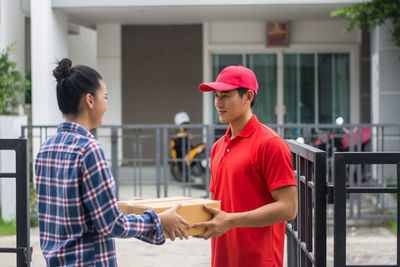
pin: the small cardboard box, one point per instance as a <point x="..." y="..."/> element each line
<point x="192" y="209"/>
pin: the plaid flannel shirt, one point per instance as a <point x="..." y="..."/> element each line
<point x="78" y="213"/>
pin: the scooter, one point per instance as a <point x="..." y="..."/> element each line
<point x="187" y="158"/>
<point x="341" y="139"/>
<point x="338" y="140"/>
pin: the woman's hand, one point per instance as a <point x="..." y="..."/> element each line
<point x="174" y="224"/>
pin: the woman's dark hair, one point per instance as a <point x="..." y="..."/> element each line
<point x="242" y="91"/>
<point x="73" y="83"/>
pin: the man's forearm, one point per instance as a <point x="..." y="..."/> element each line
<point x="264" y="216"/>
<point x="283" y="209"/>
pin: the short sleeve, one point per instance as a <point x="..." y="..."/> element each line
<point x="276" y="163"/>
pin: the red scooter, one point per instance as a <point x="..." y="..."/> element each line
<point x="339" y="139"/>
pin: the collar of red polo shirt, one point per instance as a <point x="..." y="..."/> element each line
<point x="232" y="77"/>
<point x="250" y="127"/>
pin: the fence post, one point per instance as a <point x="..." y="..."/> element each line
<point x="23" y="219"/>
<point x="114" y="158"/>
<point x="210" y="142"/>
<point x="158" y="172"/>
<point x="165" y="152"/>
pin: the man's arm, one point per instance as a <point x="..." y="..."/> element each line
<point x="283" y="209"/>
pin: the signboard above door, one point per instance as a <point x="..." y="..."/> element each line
<point x="277" y="33"/>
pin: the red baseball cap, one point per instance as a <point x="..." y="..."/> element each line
<point x="232" y="77"/>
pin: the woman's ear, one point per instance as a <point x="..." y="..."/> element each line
<point x="89" y="100"/>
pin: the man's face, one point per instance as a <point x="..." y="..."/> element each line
<point x="230" y="106"/>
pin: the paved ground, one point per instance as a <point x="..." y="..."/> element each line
<point x="365" y="245"/>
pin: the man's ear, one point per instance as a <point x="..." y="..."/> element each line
<point x="250" y="95"/>
<point x="89" y="100"/>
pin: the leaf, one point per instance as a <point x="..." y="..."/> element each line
<point x="371" y="14"/>
<point x="13" y="83"/>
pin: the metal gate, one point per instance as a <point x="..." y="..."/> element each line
<point x="23" y="249"/>
<point x="341" y="189"/>
<point x="306" y="235"/>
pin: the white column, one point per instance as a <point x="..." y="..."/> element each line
<point x="12" y="28"/>
<point x="385" y="95"/>
<point x="109" y="67"/>
<point x="49" y="44"/>
<point x="208" y="104"/>
<point x="385" y="77"/>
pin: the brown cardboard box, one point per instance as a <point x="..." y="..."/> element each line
<point x="192" y="209"/>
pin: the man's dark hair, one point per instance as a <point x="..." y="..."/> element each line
<point x="73" y="83"/>
<point x="242" y="91"/>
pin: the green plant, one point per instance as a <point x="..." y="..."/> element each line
<point x="33" y="207"/>
<point x="7" y="228"/>
<point x="393" y="226"/>
<point x="13" y="83"/>
<point x="371" y="14"/>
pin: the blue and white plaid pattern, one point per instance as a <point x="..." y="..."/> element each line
<point x="78" y="213"/>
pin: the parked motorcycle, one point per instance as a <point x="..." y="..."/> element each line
<point x="338" y="140"/>
<point x="187" y="158"/>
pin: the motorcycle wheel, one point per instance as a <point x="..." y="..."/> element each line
<point x="198" y="171"/>
<point x="176" y="172"/>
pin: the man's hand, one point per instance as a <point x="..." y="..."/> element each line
<point x="172" y="223"/>
<point x="217" y="226"/>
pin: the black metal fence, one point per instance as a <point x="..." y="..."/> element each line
<point x="138" y="172"/>
<point x="23" y="248"/>
<point x="342" y="189"/>
<point x="306" y="235"/>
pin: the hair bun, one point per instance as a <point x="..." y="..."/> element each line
<point x="63" y="69"/>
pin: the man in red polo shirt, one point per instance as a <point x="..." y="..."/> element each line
<point x="252" y="175"/>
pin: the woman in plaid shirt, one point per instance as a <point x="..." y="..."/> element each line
<point x="78" y="213"/>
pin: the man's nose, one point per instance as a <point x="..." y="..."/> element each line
<point x="219" y="103"/>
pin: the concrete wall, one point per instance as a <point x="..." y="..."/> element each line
<point x="109" y="66"/>
<point x="161" y="71"/>
<point x="301" y="32"/>
<point x="82" y="45"/>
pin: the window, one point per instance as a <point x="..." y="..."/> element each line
<point x="264" y="67"/>
<point x="299" y="88"/>
<point x="334" y="89"/>
<point x="316" y="86"/>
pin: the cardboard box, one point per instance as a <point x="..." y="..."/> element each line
<point x="192" y="209"/>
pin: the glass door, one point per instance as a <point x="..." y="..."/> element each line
<point x="299" y="88"/>
<point x="316" y="86"/>
<point x="333" y="87"/>
<point x="219" y="63"/>
<point x="264" y="67"/>
<point x="321" y="100"/>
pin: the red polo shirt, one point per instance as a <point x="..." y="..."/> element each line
<point x="244" y="171"/>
